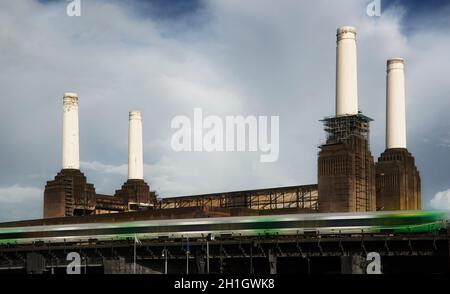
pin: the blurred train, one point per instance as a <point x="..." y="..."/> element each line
<point x="288" y="224"/>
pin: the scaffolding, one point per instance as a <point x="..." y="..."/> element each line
<point x="341" y="129"/>
<point x="68" y="194"/>
<point x="353" y="132"/>
<point x="362" y="182"/>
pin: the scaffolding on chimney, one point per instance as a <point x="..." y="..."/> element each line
<point x="340" y="129"/>
<point x="353" y="131"/>
<point x="363" y="191"/>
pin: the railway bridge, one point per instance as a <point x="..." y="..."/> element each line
<point x="401" y="242"/>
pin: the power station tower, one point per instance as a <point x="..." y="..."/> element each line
<point x="69" y="193"/>
<point x="397" y="177"/>
<point x="135" y="191"/>
<point x="346" y="169"/>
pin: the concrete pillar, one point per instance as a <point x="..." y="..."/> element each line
<point x="448" y="241"/>
<point x="70" y="138"/>
<point x="35" y="263"/>
<point x="135" y="152"/>
<point x="395" y="104"/>
<point x="272" y="262"/>
<point x="346" y="72"/>
<point x="200" y="262"/>
<point x="352" y="264"/>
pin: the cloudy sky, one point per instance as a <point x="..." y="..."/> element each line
<point x="231" y="57"/>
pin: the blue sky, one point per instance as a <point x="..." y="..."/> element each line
<point x="417" y="14"/>
<point x="232" y="57"/>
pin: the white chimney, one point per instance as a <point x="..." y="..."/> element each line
<point x="346" y="72"/>
<point x="70" y="141"/>
<point x="135" y="156"/>
<point x="395" y="104"/>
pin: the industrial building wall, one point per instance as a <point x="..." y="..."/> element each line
<point x="68" y="194"/>
<point x="346" y="177"/>
<point x="397" y="181"/>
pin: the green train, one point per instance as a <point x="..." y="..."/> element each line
<point x="287" y="224"/>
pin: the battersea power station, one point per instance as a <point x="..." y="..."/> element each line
<point x="348" y="178"/>
<point x="358" y="206"/>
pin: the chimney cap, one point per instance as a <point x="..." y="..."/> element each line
<point x="395" y="59"/>
<point x="395" y="63"/>
<point x="71" y="94"/>
<point x="346" y="29"/>
<point x="135" y="114"/>
<point x="346" y="32"/>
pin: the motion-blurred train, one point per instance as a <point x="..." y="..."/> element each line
<point x="288" y="224"/>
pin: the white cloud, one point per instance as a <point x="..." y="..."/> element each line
<point x="441" y="200"/>
<point x="17" y="194"/>
<point x="17" y="202"/>
<point x="105" y="168"/>
<point x="247" y="58"/>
